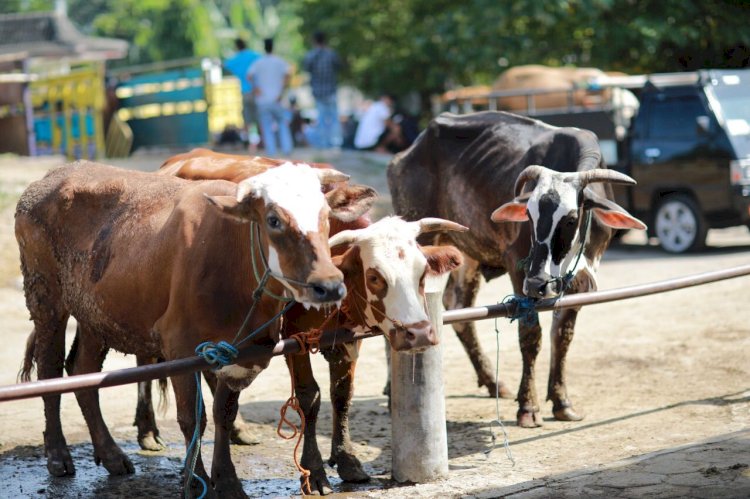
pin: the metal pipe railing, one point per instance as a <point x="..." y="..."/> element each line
<point x="289" y="346"/>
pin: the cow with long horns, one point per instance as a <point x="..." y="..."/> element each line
<point x="546" y="226"/>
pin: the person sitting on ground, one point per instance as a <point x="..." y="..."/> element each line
<point x="376" y="130"/>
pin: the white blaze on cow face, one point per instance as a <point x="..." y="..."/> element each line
<point x="554" y="211"/>
<point x="295" y="188"/>
<point x="394" y="268"/>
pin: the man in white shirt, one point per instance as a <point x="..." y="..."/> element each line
<point x="269" y="77"/>
<point x="376" y="130"/>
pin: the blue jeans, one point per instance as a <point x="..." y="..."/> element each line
<point x="274" y="117"/>
<point x="329" y="127"/>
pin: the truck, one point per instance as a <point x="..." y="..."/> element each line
<point x="684" y="138"/>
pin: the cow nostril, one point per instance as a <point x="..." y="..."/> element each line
<point x="410" y="336"/>
<point x="319" y="291"/>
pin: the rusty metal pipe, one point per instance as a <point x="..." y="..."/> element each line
<point x="161" y="370"/>
<point x="581" y="299"/>
<point x="184" y="366"/>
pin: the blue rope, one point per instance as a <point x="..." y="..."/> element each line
<point x="525" y="308"/>
<point x="191" y="460"/>
<point x="217" y="354"/>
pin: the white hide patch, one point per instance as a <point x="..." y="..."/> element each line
<point x="295" y="188"/>
<point x="237" y="377"/>
<point x="382" y="246"/>
<point x="568" y="202"/>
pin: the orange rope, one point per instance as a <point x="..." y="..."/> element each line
<point x="293" y="402"/>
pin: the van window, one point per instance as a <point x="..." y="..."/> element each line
<point x="674" y="118"/>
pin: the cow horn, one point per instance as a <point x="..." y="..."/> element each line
<point x="531" y="172"/>
<point x="435" y="224"/>
<point x="603" y="175"/>
<point x="243" y="189"/>
<point x="329" y="175"/>
<point x="343" y="237"/>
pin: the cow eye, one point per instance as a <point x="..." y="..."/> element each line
<point x="572" y="222"/>
<point x="273" y="222"/>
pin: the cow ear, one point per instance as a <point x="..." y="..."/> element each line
<point x="230" y="207"/>
<point x="441" y="259"/>
<point x="349" y="202"/>
<point x="347" y="262"/>
<point x="609" y="213"/>
<point x="514" y="211"/>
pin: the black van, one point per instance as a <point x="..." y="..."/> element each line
<point x="689" y="150"/>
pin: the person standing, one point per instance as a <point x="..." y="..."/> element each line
<point x="377" y="131"/>
<point x="323" y="64"/>
<point x="269" y="77"/>
<point x="238" y="65"/>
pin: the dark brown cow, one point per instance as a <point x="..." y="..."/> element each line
<point x="464" y="167"/>
<point x="154" y="265"/>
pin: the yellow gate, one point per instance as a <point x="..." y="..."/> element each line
<point x="68" y="113"/>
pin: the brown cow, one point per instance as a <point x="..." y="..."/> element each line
<point x="356" y="312"/>
<point x="537" y="77"/>
<point x="154" y="265"/>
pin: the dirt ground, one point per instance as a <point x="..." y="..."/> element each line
<point x="652" y="375"/>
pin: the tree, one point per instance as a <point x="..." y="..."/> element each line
<point x="431" y="45"/>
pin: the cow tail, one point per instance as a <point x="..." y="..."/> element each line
<point x="163" y="396"/>
<point x="71" y="358"/>
<point x="28" y="359"/>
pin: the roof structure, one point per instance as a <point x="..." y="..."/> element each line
<point x="53" y="35"/>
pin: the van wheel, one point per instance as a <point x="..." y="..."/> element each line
<point x="679" y="224"/>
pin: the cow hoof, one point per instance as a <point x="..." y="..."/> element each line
<point x="349" y="468"/>
<point x="566" y="413"/>
<point x="229" y="488"/>
<point x="59" y="463"/>
<point x="319" y="484"/>
<point x="115" y="462"/>
<point x="528" y="419"/>
<point x="243" y="435"/>
<point x="151" y="442"/>
<point x="501" y="390"/>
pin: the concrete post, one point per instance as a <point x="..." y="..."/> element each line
<point x="419" y="437"/>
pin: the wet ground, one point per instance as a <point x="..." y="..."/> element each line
<point x="663" y="382"/>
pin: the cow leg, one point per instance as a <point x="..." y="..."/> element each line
<point x="49" y="353"/>
<point x="241" y="433"/>
<point x="342" y="361"/>
<point x="185" y="397"/>
<point x="530" y="340"/>
<point x="460" y="292"/>
<point x="308" y="394"/>
<point x="148" y="433"/>
<point x="563" y="325"/>
<point x="223" y="474"/>
<point x="88" y="357"/>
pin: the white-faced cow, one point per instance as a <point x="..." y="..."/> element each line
<point x="540" y="184"/>
<point x="154" y="265"/>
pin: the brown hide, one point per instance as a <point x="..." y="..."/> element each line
<point x="202" y="164"/>
<point x="539" y="77"/>
<point x="142" y="259"/>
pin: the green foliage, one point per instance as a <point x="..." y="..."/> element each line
<point x="430" y="45"/>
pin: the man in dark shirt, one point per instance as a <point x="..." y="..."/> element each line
<point x="323" y="64"/>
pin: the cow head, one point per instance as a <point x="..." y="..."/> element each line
<point x="385" y="271"/>
<point x="291" y="214"/>
<point x="556" y="209"/>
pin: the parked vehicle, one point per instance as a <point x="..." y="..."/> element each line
<point x="684" y="137"/>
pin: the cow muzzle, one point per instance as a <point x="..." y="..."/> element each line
<point x="542" y="286"/>
<point x="413" y="338"/>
